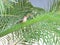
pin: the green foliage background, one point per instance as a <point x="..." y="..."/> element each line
<point x="42" y="26"/>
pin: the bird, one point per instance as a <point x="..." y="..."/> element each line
<point x="24" y="19"/>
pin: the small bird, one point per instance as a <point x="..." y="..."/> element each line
<point x="24" y="19"/>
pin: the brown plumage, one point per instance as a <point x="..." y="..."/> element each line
<point x="24" y="19"/>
